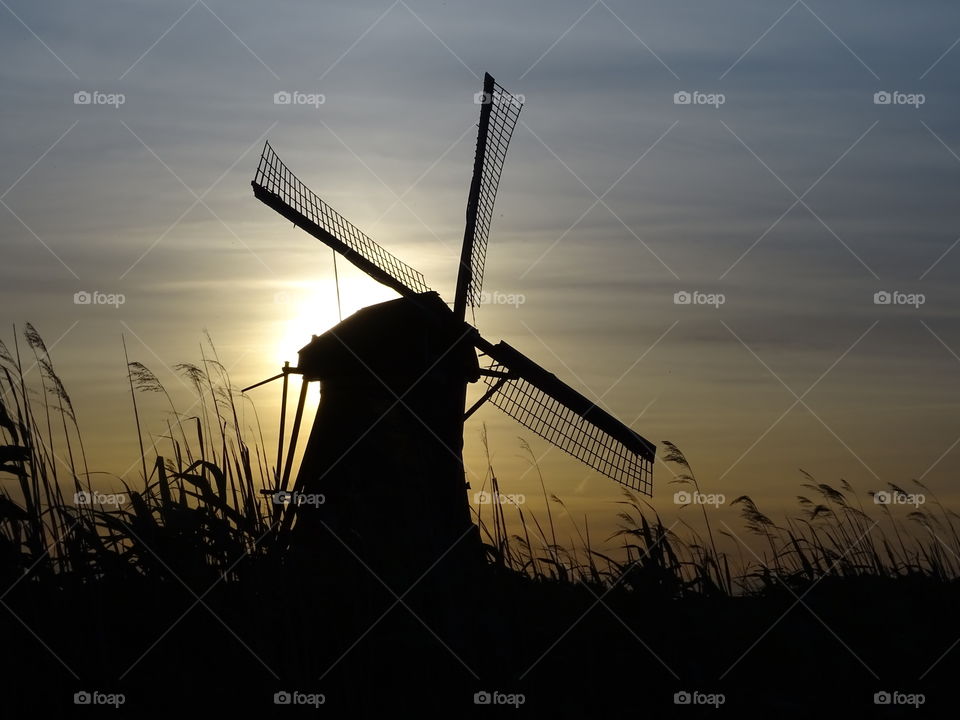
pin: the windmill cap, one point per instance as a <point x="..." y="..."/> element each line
<point x="399" y="340"/>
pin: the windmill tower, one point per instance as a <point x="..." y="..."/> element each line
<point x="385" y="449"/>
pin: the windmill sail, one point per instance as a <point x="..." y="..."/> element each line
<point x="499" y="111"/>
<point x="277" y="187"/>
<point x="516" y="384"/>
<point x="564" y="417"/>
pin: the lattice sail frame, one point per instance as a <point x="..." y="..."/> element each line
<point x="279" y="188"/>
<point x="528" y="393"/>
<point x="504" y="113"/>
<point x="557" y="413"/>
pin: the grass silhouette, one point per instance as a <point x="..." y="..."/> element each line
<point x="177" y="590"/>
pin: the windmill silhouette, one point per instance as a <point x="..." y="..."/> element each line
<point x="385" y="450"/>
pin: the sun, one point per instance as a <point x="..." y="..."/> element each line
<point x="310" y="308"/>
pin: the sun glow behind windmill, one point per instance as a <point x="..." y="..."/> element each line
<point x="515" y="384"/>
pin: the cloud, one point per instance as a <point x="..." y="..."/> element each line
<point x="391" y="148"/>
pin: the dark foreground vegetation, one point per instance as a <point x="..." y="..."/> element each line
<point x="181" y="594"/>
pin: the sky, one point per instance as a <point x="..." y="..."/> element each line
<point x="781" y="199"/>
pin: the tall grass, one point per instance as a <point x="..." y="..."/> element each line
<point x="200" y="505"/>
<point x="831" y="535"/>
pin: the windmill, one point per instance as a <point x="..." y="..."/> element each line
<point x="385" y="450"/>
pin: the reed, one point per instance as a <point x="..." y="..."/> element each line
<point x="200" y="504"/>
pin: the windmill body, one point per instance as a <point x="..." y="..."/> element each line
<point x="385" y="449"/>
